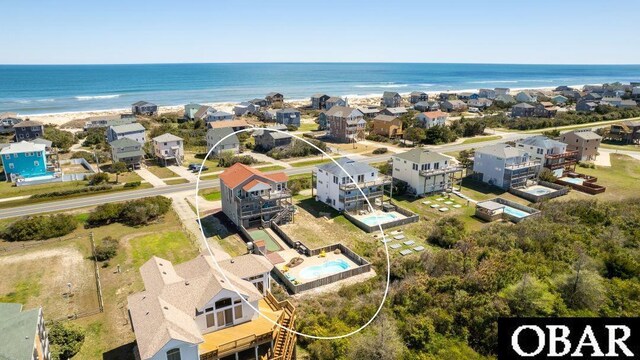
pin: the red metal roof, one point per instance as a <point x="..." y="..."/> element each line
<point x="238" y="173"/>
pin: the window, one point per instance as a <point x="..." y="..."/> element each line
<point x="36" y="163"/>
<point x="335" y="179"/>
<point x="173" y="354"/>
<point x="223" y="302"/>
<point x="238" y="311"/>
<point x="7" y="156"/>
<point x="415" y="166"/>
<point x="210" y="319"/>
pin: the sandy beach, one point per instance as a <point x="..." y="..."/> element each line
<point x="62" y="118"/>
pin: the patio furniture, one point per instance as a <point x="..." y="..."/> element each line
<point x="410" y="242"/>
<point x="395" y="246"/>
<point x="419" y="248"/>
<point x="289" y="276"/>
<point x="406" y="252"/>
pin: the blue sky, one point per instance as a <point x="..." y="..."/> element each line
<point x="161" y="31"/>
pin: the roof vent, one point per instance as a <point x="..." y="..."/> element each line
<point x="186" y="283"/>
<point x="232" y="261"/>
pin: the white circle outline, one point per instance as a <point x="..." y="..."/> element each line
<point x="386" y="250"/>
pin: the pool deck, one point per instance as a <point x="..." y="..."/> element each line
<point x="289" y="254"/>
<point x="397" y="216"/>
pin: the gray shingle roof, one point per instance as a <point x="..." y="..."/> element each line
<point x="27" y="123"/>
<point x="540" y="141"/>
<point x="501" y="150"/>
<point x="17" y="331"/>
<point x="421" y="156"/>
<point x="134" y="127"/>
<point x="351" y="166"/>
<point x="167" y="137"/>
<point x="215" y="135"/>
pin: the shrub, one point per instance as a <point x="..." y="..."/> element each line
<point x="134" y="212"/>
<point x="98" y="178"/>
<point x="40" y="227"/>
<point x="132" y="184"/>
<point x="382" y="150"/>
<point x="297" y="184"/>
<point x="59" y="138"/>
<point x="447" y="232"/>
<point x="298" y="149"/>
<point x="227" y="159"/>
<point x="71" y="192"/>
<point x="377" y="138"/>
<point x="66" y="340"/>
<point x="547" y="175"/>
<point x="107" y="249"/>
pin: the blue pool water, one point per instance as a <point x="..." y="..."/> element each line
<point x="539" y="190"/>
<point x="373" y="220"/>
<point x="328" y="268"/>
<point x="515" y="212"/>
<point x="576" y="181"/>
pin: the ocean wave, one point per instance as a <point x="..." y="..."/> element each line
<point x="96" y="97"/>
<point x="427" y="85"/>
<point x="494" y="81"/>
<point x="46" y="100"/>
<point x="383" y="86"/>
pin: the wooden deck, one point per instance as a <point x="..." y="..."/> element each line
<point x="242" y="336"/>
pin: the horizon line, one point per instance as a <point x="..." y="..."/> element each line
<point x="318" y="62"/>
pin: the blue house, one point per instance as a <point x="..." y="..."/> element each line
<point x="288" y="117"/>
<point x="24" y="159"/>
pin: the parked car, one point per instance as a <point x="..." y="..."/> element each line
<point x="193" y="166"/>
<point x="198" y="167"/>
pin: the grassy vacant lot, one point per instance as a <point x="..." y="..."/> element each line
<point x="211" y="163"/>
<point x="176" y="181"/>
<point x="481" y="139"/>
<point x="216" y="229"/>
<point x="622" y="179"/>
<point x="356" y="148"/>
<point x="311" y="162"/>
<point x="8" y="190"/>
<point x="38" y="276"/>
<point x="210" y="194"/>
<point x="308" y="127"/>
<point x="619" y="146"/>
<point x="271" y="168"/>
<point x="161" y="171"/>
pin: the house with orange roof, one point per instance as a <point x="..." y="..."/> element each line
<point x="432" y="118"/>
<point x="252" y="198"/>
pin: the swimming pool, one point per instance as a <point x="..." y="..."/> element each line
<point x="538" y="190"/>
<point x="325" y="269"/>
<point x="577" y="181"/>
<point x="373" y="220"/>
<point x="515" y="212"/>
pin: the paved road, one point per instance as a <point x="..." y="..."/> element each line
<point x="62" y="205"/>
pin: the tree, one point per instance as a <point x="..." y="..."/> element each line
<point x="583" y="288"/>
<point x="465" y="158"/>
<point x="529" y="298"/>
<point x="99" y="178"/>
<point x="119" y="168"/>
<point x="439" y="134"/>
<point x="414" y="134"/>
<point x="547" y="175"/>
<point x="59" y="138"/>
<point x="66" y="340"/>
<point x="40" y="227"/>
<point x="381" y="341"/>
<point x="107" y="249"/>
<point x="447" y="232"/>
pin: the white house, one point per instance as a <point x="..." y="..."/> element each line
<point x="228" y="140"/>
<point x="432" y="118"/>
<point x="168" y="147"/>
<point x="504" y="166"/>
<point x="526" y="97"/>
<point x="135" y="132"/>
<point x="191" y="311"/>
<point x="487" y="93"/>
<point x="219" y="116"/>
<point x="424" y="171"/>
<point x="335" y="188"/>
<point x="551" y="154"/>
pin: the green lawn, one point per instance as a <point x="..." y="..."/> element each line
<point x="8" y="190"/>
<point x="176" y="181"/>
<point x="308" y="127"/>
<point x="161" y="172"/>
<point x="271" y="168"/>
<point x="622" y="179"/>
<point x="311" y="162"/>
<point x="481" y="139"/>
<point x="211" y="195"/>
<point x="172" y="244"/>
<point x="620" y="147"/>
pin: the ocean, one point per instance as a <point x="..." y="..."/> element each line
<point x="39" y="89"/>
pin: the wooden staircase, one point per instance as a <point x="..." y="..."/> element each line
<point x="284" y="341"/>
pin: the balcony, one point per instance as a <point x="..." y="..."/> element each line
<point x="560" y="161"/>
<point x="380" y="181"/>
<point x="443" y="171"/>
<point x="522" y="166"/>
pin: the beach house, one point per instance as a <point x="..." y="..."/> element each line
<point x="505" y="99"/>
<point x="335" y="188"/>
<point x="418" y="96"/>
<point x="551" y="154"/>
<point x="387" y="126"/>
<point x="28" y="130"/>
<point x="522" y="110"/>
<point x="144" y="108"/>
<point x="585" y="142"/>
<point x="525" y="97"/>
<point x="586" y="106"/>
<point x="219" y="116"/>
<point x="425" y="171"/>
<point x="252" y="198"/>
<point x="430" y="105"/>
<point x="453" y="105"/>
<point x="267" y="140"/>
<point x="274" y="99"/>
<point x="246" y="108"/>
<point x="391" y="99"/>
<point x="559" y="100"/>
<point x="394" y="111"/>
<point x="98" y="122"/>
<point x="194" y="311"/>
<point x="204" y="112"/>
<point x="23" y="335"/>
<point x="345" y="124"/>
<point x="7" y="121"/>
<point x="225" y="138"/>
<point x="335" y="101"/>
<point x="480" y="103"/>
<point x="23" y="160"/>
<point x="487" y="93"/>
<point x="432" y="118"/>
<point x="168" y="148"/>
<point x="502" y="91"/>
<point x="504" y="166"/>
<point x="318" y="101"/>
<point x="134" y="131"/>
<point x="627" y="132"/>
<point x="592" y="97"/>
<point x="127" y="151"/>
<point x="288" y="117"/>
<point x="190" y="110"/>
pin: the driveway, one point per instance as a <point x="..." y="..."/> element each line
<point x="184" y="173"/>
<point x="264" y="158"/>
<point x="150" y="178"/>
